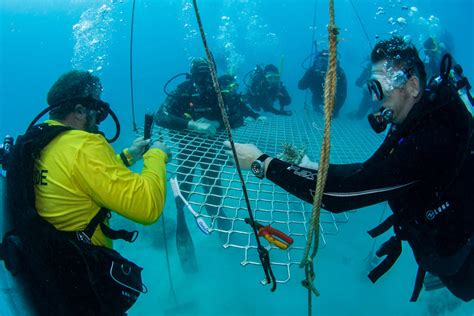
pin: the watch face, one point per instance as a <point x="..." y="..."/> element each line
<point x="257" y="168"/>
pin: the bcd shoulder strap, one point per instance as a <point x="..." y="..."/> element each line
<point x="20" y="185"/>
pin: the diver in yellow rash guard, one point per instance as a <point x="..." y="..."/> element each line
<point x="78" y="173"/>
<point x="58" y="214"/>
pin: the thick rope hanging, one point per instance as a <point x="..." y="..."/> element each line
<point x="131" y="68"/>
<point x="262" y="251"/>
<point x="329" y="100"/>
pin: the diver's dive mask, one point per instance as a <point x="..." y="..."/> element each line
<point x="375" y="89"/>
<point x="381" y="85"/>
<point x="380" y="120"/>
<point x="101" y="108"/>
<point x="230" y="88"/>
<point x="272" y="78"/>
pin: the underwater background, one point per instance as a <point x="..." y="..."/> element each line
<point x="41" y="39"/>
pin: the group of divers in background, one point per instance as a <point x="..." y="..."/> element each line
<point x="195" y="98"/>
<point x="59" y="242"/>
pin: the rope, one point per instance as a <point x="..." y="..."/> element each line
<point x="131" y="68"/>
<point x="312" y="51"/>
<point x="329" y="100"/>
<point x="361" y="24"/>
<point x="263" y="253"/>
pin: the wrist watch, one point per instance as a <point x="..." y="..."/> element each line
<point x="258" y="166"/>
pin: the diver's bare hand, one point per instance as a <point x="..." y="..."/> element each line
<point x="216" y="124"/>
<point x="138" y="148"/>
<point x="163" y="147"/>
<point x="202" y="127"/>
<point x="307" y="163"/>
<point x="246" y="153"/>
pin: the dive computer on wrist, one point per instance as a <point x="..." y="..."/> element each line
<point x="258" y="166"/>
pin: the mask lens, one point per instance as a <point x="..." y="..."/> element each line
<point x="375" y="89"/>
<point x="101" y="108"/>
<point x="102" y="111"/>
<point x="230" y="88"/>
<point x="233" y="86"/>
<point x="272" y="78"/>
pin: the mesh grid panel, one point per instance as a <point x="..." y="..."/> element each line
<point x="225" y="212"/>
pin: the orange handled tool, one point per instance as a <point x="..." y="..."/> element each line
<point x="274" y="236"/>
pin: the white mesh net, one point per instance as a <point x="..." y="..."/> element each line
<point x="209" y="181"/>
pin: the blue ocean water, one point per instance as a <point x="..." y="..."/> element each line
<point x="41" y="39"/>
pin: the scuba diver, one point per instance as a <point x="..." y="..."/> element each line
<point x="239" y="113"/>
<point x="314" y="79"/>
<point x="424" y="169"/>
<point x="434" y="50"/>
<point x="193" y="106"/>
<point x="265" y="88"/>
<point x="63" y="180"/>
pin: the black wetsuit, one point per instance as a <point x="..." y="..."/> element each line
<point x="314" y="79"/>
<point x="425" y="170"/>
<point x="188" y="102"/>
<point x="261" y="96"/>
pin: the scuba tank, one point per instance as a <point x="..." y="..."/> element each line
<point x="462" y="86"/>
<point x="5" y="150"/>
<point x="453" y="76"/>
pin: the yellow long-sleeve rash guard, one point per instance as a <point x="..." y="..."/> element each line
<point x="78" y="173"/>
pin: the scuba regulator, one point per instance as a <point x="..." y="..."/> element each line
<point x="380" y="120"/>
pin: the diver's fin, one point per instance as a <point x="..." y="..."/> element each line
<point x="184" y="242"/>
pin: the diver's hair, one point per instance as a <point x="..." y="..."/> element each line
<point x="68" y="88"/>
<point x="199" y="67"/>
<point x="401" y="54"/>
<point x="62" y="111"/>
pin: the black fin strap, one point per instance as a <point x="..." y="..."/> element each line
<point x="392" y="248"/>
<point x="119" y="234"/>
<point x="11" y="253"/>
<point x="420" y="277"/>
<point x="96" y="220"/>
<point x="382" y="227"/>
